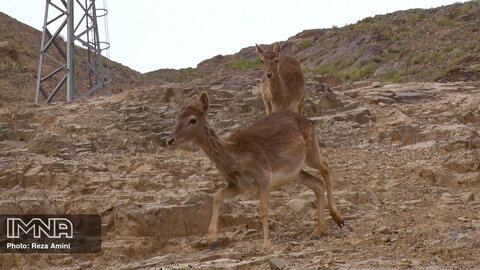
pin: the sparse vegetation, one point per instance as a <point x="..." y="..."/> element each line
<point x="244" y="63"/>
<point x="330" y="68"/>
<point x="388" y="56"/>
<point x="181" y="75"/>
<point x="304" y="43"/>
<point x="447" y="49"/>
<point x="445" y="22"/>
<point x="424" y="42"/>
<point x="458" y="54"/>
<point x="395" y="49"/>
<point x="437" y="57"/>
<point x="390" y="76"/>
<point x="367" y="20"/>
<point x="414" y="17"/>
<point x="418" y="58"/>
<point x="9" y="64"/>
<point x="362" y="70"/>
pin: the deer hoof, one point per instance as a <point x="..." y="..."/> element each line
<point x="315" y="238"/>
<point x="341" y="223"/>
<point x="213" y="245"/>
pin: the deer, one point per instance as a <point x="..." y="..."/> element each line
<point x="283" y="83"/>
<point x="261" y="157"/>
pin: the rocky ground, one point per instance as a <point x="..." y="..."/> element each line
<point x="404" y="157"/>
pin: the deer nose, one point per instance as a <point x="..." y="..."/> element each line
<point x="269" y="75"/>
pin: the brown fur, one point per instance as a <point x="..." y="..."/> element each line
<point x="283" y="83"/>
<point x="265" y="155"/>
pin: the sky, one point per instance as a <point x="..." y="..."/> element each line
<point x="147" y="35"/>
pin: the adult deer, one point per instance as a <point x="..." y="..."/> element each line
<point x="283" y="83"/>
<point x="267" y="154"/>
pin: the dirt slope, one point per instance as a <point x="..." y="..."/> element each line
<point x="438" y="44"/>
<point x="19" y="58"/>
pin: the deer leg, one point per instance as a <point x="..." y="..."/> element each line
<point x="300" y="108"/>
<point x="314" y="160"/>
<point x="268" y="106"/>
<point x="325" y="171"/>
<point x="229" y="191"/>
<point x="264" y="193"/>
<point x="318" y="187"/>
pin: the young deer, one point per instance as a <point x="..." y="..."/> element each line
<point x="283" y="83"/>
<point x="267" y="154"/>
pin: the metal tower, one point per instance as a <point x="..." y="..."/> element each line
<point x="80" y="67"/>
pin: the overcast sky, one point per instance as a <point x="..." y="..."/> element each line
<point x="150" y="34"/>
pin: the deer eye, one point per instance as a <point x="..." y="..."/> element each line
<point x="276" y="60"/>
<point x="192" y="121"/>
<point x="261" y="61"/>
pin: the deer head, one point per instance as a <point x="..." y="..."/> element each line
<point x="190" y="121"/>
<point x="269" y="60"/>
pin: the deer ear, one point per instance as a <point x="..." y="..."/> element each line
<point x="204" y="101"/>
<point x="193" y="100"/>
<point x="276" y="47"/>
<point x="259" y="50"/>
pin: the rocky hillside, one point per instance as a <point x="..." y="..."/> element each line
<point x="404" y="159"/>
<point x="19" y="57"/>
<point x="439" y="44"/>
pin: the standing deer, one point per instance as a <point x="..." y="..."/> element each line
<point x="283" y="83"/>
<point x="267" y="154"/>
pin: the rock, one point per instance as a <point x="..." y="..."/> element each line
<point x="34" y="171"/>
<point x="406" y="135"/>
<point x="372" y="196"/>
<point x="9" y="207"/>
<point x="7" y="261"/>
<point x="35" y="177"/>
<point x="144" y="168"/>
<point x="363" y="117"/>
<point x="308" y="109"/>
<point x="39" y="205"/>
<point x="298" y="205"/>
<point x="217" y="86"/>
<point x="438" y="176"/>
<point x="360" y="84"/>
<point x="467" y="197"/>
<point x="254" y="102"/>
<point x="328" y="101"/>
<point x="328" y="258"/>
<point x="329" y="79"/>
<point x="340" y="118"/>
<point x="384" y="230"/>
<point x="449" y="199"/>
<point x="421" y="145"/>
<point x="377" y="99"/>
<point x="186" y="90"/>
<point x="410" y="97"/>
<point x="377" y="84"/>
<point x="469" y="117"/>
<point x="160" y="220"/>
<point x="168" y="94"/>
<point x="277" y="264"/>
